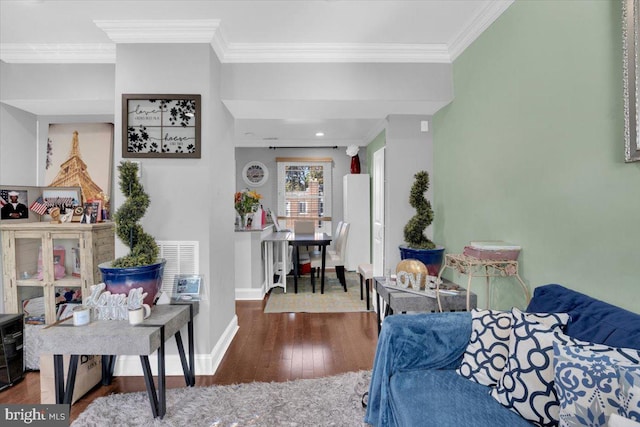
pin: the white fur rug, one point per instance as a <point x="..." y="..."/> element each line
<point x="329" y="401"/>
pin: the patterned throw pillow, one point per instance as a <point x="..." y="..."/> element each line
<point x="586" y="382"/>
<point x="629" y="392"/>
<point x="526" y="385"/>
<point x="486" y="354"/>
<point x="488" y="349"/>
<point x="617" y="421"/>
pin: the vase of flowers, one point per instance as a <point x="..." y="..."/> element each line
<point x="352" y="151"/>
<point x="246" y="202"/>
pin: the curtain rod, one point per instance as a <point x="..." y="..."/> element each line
<point x="335" y="147"/>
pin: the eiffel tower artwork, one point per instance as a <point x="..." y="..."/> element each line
<point x="73" y="173"/>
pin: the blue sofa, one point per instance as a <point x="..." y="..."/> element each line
<point x="414" y="382"/>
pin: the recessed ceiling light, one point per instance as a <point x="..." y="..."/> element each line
<point x="319" y="133"/>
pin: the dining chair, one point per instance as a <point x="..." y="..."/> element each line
<point x="334" y="257"/>
<point x="304" y="227"/>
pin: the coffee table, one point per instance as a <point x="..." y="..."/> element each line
<point x="397" y="301"/>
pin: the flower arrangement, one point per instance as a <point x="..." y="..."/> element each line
<point x="246" y="201"/>
<point x="352" y="150"/>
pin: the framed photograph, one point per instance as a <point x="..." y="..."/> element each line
<point x="187" y="287"/>
<point x="92" y="212"/>
<point x="62" y="197"/>
<point x="14" y="203"/>
<point x="161" y="126"/>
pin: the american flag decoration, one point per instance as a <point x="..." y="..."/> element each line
<point x="4" y="196"/>
<point x="38" y="207"/>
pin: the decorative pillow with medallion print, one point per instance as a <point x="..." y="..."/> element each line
<point x="587" y="382"/>
<point x="629" y="392"/>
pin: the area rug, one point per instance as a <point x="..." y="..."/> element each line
<point x="329" y="401"/>
<point x="334" y="299"/>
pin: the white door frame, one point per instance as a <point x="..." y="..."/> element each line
<point x="378" y="206"/>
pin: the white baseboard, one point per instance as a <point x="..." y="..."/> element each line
<point x="249" y="294"/>
<point x="206" y="364"/>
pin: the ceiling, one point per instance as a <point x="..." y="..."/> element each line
<point x="332" y="31"/>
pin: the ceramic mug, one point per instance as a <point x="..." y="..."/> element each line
<point x="137" y="315"/>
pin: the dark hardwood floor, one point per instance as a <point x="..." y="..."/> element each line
<point x="267" y="347"/>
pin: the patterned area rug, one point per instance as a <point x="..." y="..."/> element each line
<point x="334" y="299"/>
<point x="329" y="401"/>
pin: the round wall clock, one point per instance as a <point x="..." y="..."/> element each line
<point x="255" y="174"/>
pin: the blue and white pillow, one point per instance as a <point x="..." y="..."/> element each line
<point x="629" y="392"/>
<point x="486" y="354"/>
<point x="526" y="385"/>
<point x="616" y="420"/>
<point x="587" y="383"/>
<point x="487" y="351"/>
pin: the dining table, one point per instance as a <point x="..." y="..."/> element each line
<point x="318" y="239"/>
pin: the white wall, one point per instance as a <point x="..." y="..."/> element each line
<point x="269" y="191"/>
<point x="17" y="153"/>
<point x="187" y="194"/>
<point x="408" y="150"/>
<point x="348" y="82"/>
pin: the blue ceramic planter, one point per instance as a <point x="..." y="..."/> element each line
<point x="122" y="280"/>
<point x="432" y="258"/>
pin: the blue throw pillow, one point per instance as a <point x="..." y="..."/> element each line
<point x="587" y="383"/>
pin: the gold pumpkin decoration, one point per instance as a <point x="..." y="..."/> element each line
<point x="413" y="267"/>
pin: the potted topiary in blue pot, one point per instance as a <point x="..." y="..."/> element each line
<point x="417" y="245"/>
<point x="141" y="267"/>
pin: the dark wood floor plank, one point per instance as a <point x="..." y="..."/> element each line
<point x="267" y="347"/>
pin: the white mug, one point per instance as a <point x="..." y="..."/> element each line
<point x="137" y="315"/>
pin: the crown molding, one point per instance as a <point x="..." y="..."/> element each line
<point x="331" y="52"/>
<point x="210" y="31"/>
<point x="160" y="31"/>
<point x="41" y="53"/>
<point x="477" y="26"/>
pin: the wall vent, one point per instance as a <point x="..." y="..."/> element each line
<point x="182" y="258"/>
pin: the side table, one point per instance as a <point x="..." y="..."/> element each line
<point x="117" y="337"/>
<point x="398" y="301"/>
<point x="487" y="268"/>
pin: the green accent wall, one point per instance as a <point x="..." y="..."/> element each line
<point x="531" y="151"/>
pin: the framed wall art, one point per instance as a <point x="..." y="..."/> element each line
<point x="631" y="74"/>
<point x="157" y="126"/>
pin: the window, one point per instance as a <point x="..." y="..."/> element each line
<point x="304" y="191"/>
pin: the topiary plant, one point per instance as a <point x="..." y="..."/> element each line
<point x="414" y="230"/>
<point x="143" y="249"/>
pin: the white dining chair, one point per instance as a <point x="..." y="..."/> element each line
<point x="334" y="257"/>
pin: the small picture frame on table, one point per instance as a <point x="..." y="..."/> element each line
<point x="92" y="212"/>
<point x="187" y="287"/>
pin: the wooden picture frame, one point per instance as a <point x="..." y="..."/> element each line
<point x="161" y="126"/>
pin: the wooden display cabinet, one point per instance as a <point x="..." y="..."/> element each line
<point x="25" y="277"/>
